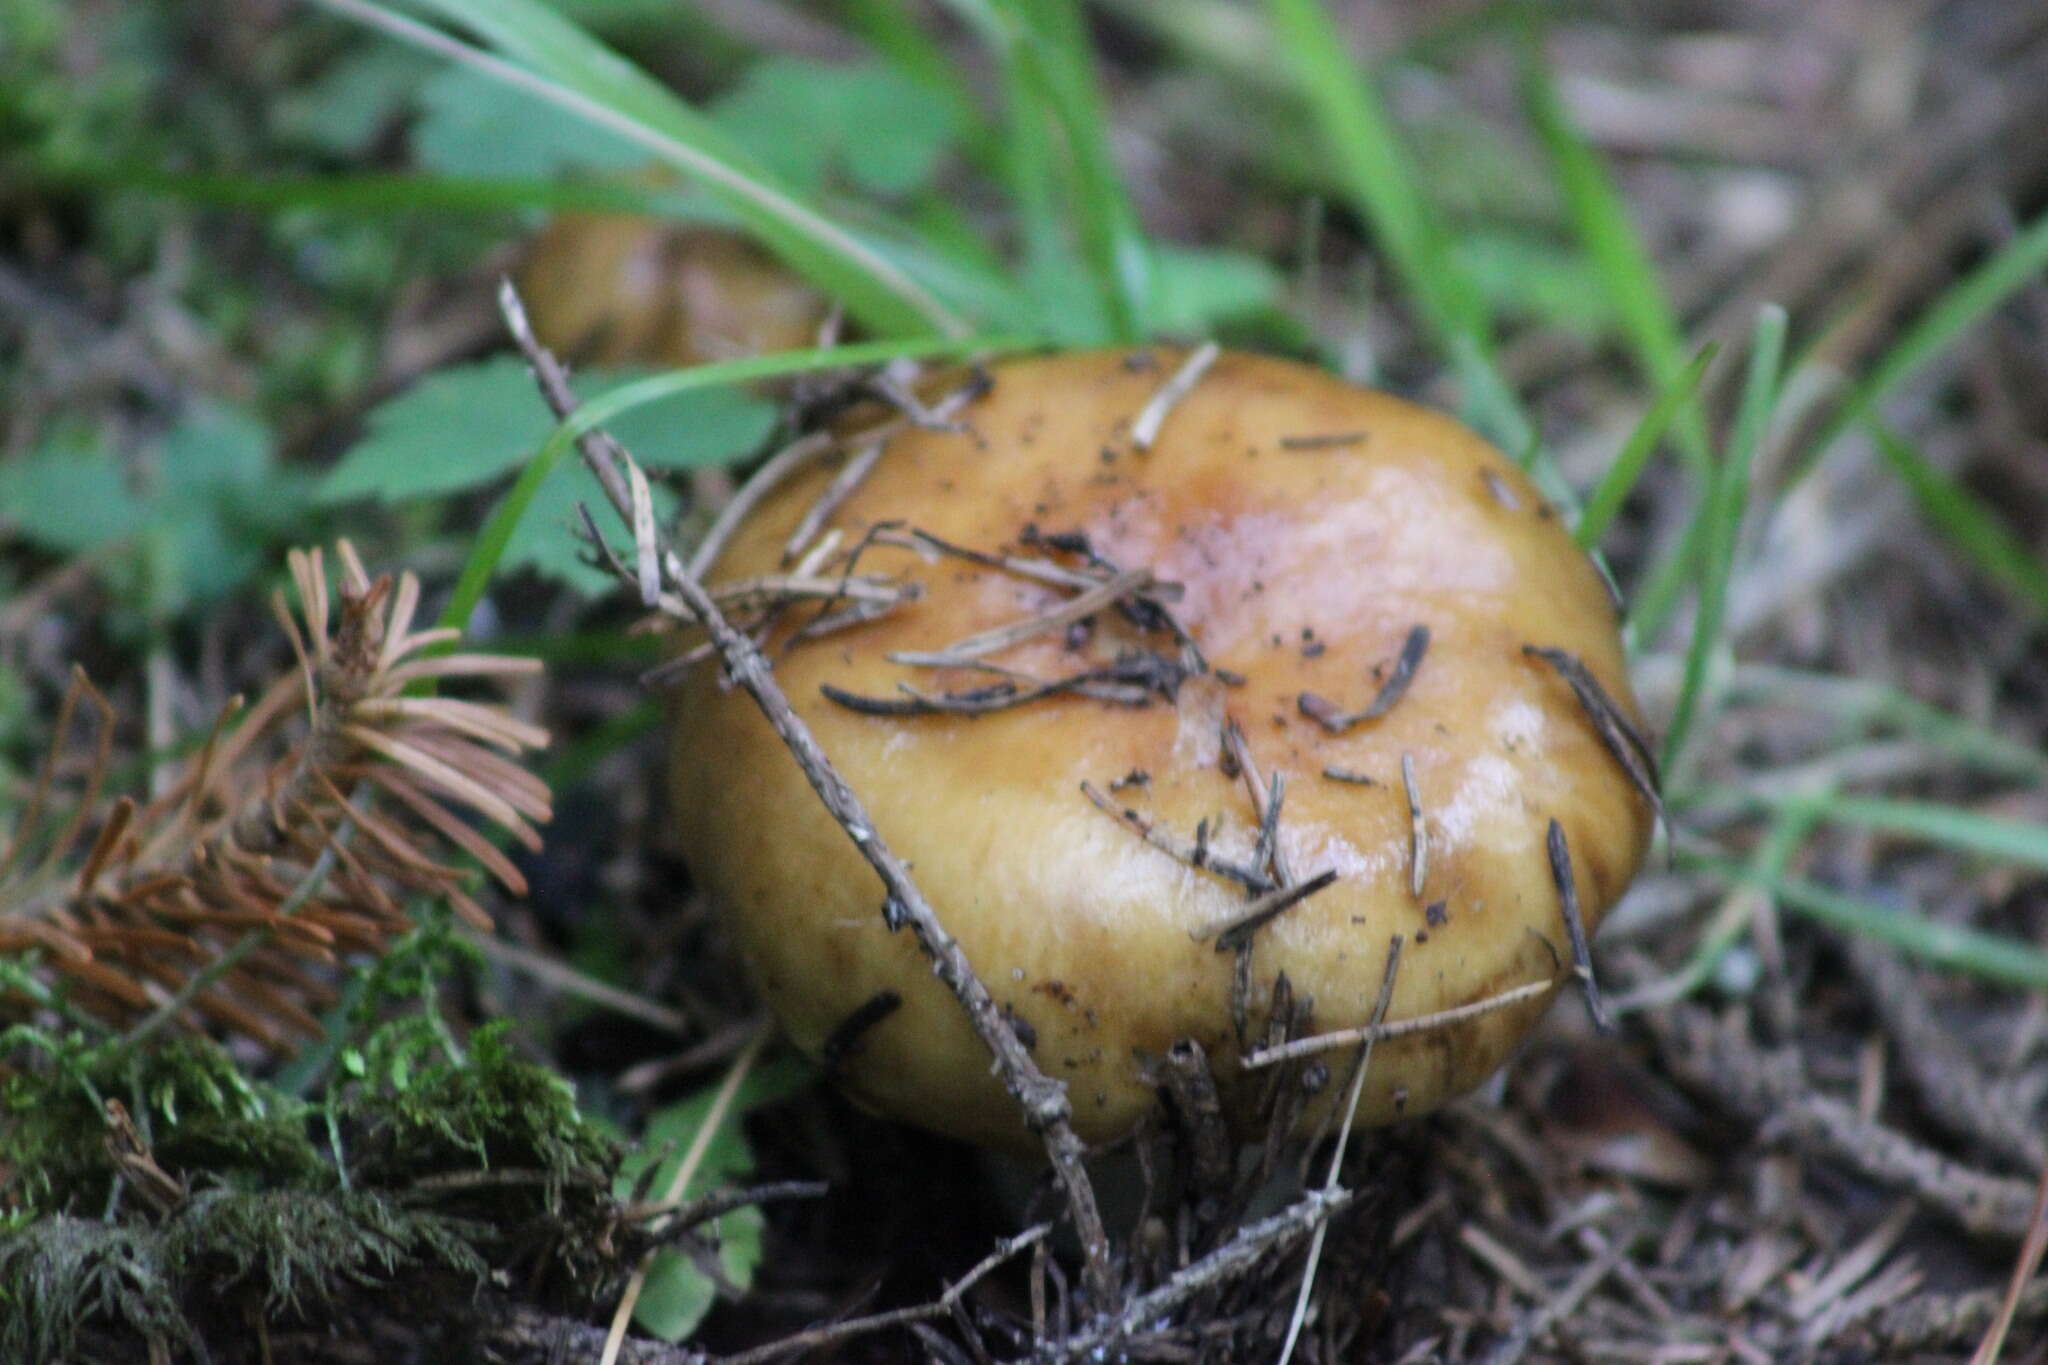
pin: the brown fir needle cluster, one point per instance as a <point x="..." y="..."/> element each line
<point x="304" y="829"/>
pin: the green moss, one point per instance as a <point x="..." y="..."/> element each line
<point x="488" y="1111"/>
<point x="59" y="1273"/>
<point x="298" y="1251"/>
<point x="452" y="1162"/>
<point x="188" y="1096"/>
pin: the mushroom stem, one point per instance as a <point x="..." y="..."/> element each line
<point x="1043" y="1099"/>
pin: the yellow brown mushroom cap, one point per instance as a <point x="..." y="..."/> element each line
<point x="1312" y="526"/>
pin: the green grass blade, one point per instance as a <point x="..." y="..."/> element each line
<point x="1621" y="476"/>
<point x="2015" y="265"/>
<point x="1975" y="531"/>
<point x="2020" y="842"/>
<point x="497" y="530"/>
<point x="1794" y="822"/>
<point x="1059" y="157"/>
<point x="1991" y="956"/>
<point x="1652" y="606"/>
<point x="556" y="61"/>
<point x="1856" y="706"/>
<point x="1621" y="263"/>
<point x="1373" y="169"/>
<point x="1371" y="163"/>
<point x="369" y="192"/>
<point x="1722" y="518"/>
<point x="892" y="31"/>
<point x="1111" y="237"/>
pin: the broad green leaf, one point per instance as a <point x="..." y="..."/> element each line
<point x="490" y="542"/>
<point x="212" y="449"/>
<point x="1200" y="288"/>
<point x="218" y="508"/>
<point x="67" y="495"/>
<point x="473" y="126"/>
<point x="342" y="111"/>
<point x="456" y="428"/>
<point x="883" y="130"/>
<point x="677" y="1295"/>
<point x="554" y="62"/>
<point x="471" y="424"/>
<point x="1526" y="276"/>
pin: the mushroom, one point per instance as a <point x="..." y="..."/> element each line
<point x="616" y="288"/>
<point x="1297" y="670"/>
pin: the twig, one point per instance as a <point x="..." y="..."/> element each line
<point x="1575" y="927"/>
<point x="1951" y="1083"/>
<point x="1195" y="855"/>
<point x="812" y="1338"/>
<point x="1553" y="1308"/>
<point x="1236" y="1256"/>
<point x="696" y="1212"/>
<point x="1325" y="713"/>
<point x="1047" y="1110"/>
<point x="1934" y="1321"/>
<point x="1127" y="682"/>
<point x="1400" y="1028"/>
<point x="1418" y="831"/>
<point x="938" y="417"/>
<point x="551" y="971"/>
<point x="1145" y="427"/>
<point x="1721" y="1063"/>
<point x="1359" y="1066"/>
<point x="1054" y="618"/>
<point x="1235" y="932"/>
<point x="672" y="1197"/>
<point x="1038" y="570"/>
<point x="1265" y="800"/>
<point x="2028" y="1261"/>
<point x="779" y="468"/>
<point x="725" y="1043"/>
<point x="1324" y="440"/>
<point x="1616" y="732"/>
<point x="1184" y="1075"/>
<point x="844" y="1041"/>
<point x="776" y="589"/>
<point x="843" y="486"/>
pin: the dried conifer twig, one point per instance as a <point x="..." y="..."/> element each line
<point x="1057" y="617"/>
<point x="297" y="831"/>
<point x="1400" y="1028"/>
<point x="1251" y="1244"/>
<point x="1046" y="1108"/>
<point x="1145" y="426"/>
<point x="815" y="1337"/>
<point x="1616" y="732"/>
<point x="1235" y="932"/>
<point x="1325" y="713"/>
<point x="1720" y="1062"/>
<point x="1574" y="926"/>
<point x="1195" y="855"/>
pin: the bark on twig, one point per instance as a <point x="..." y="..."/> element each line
<point x="1044" y="1100"/>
